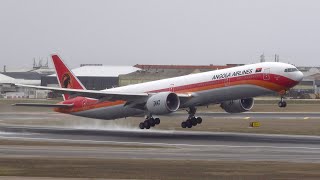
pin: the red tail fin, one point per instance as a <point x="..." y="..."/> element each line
<point x="65" y="77"/>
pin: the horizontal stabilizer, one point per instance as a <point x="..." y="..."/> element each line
<point x="44" y="105"/>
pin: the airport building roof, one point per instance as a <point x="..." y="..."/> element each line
<point x="102" y="71"/>
<point x="212" y="67"/>
<point x="23" y="75"/>
<point x="7" y="79"/>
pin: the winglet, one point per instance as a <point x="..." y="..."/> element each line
<point x="65" y="77"/>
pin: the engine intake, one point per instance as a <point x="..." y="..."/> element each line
<point x="163" y="103"/>
<point x="238" y="106"/>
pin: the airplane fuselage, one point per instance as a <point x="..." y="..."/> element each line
<point x="206" y="88"/>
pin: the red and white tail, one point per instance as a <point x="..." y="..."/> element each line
<point x="65" y="77"/>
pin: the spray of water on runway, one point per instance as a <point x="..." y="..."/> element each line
<point x="118" y="125"/>
<point x="110" y="125"/>
<point x="5" y="133"/>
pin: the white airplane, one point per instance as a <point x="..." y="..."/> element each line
<point x="232" y="88"/>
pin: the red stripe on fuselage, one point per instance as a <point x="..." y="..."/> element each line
<point x="272" y="82"/>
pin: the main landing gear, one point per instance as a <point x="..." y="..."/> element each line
<point x="192" y="120"/>
<point x="149" y="122"/>
<point x="282" y="103"/>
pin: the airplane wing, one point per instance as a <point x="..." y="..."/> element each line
<point x="44" y="105"/>
<point x="101" y="95"/>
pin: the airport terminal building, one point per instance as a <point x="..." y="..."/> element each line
<point x="94" y="76"/>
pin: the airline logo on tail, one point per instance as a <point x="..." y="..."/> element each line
<point x="65" y="77"/>
<point x="66" y="81"/>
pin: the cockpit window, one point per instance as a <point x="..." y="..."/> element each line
<point x="290" y="70"/>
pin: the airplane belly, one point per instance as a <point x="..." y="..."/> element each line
<point x="223" y="94"/>
<point x="110" y="113"/>
<point x="200" y="98"/>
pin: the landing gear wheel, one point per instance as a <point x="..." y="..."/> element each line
<point x="157" y="121"/>
<point x="193" y="121"/>
<point x="152" y="122"/>
<point x="282" y="104"/>
<point x="146" y="124"/>
<point x="199" y="120"/>
<point x="189" y="124"/>
<point x="149" y="122"/>
<point x="183" y="124"/>
<point x="141" y="125"/>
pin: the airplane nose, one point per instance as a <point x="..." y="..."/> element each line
<point x="299" y="76"/>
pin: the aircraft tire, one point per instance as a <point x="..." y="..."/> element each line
<point x="152" y="122"/>
<point x="157" y="121"/>
<point x="189" y="124"/>
<point x="146" y="124"/>
<point x="184" y="124"/>
<point x="284" y="104"/>
<point x="193" y="121"/>
<point x="199" y="120"/>
<point x="141" y="125"/>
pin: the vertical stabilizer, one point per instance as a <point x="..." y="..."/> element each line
<point x="65" y="77"/>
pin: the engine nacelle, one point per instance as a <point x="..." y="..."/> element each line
<point x="163" y="103"/>
<point x="238" y="106"/>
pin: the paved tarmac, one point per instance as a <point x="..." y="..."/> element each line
<point x="157" y="144"/>
<point x="255" y="115"/>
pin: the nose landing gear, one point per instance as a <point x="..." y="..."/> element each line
<point x="282" y="103"/>
<point x="192" y="120"/>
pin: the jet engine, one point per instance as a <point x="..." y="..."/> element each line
<point x="163" y="103"/>
<point x="238" y="106"/>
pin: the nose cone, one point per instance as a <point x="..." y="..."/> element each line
<point x="298" y="76"/>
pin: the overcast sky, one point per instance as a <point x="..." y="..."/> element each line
<point x="128" y="32"/>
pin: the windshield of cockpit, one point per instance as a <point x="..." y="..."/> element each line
<point x="291" y="70"/>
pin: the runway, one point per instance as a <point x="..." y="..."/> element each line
<point x="62" y="137"/>
<point x="158" y="144"/>
<point x="257" y="115"/>
<point x="253" y="115"/>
